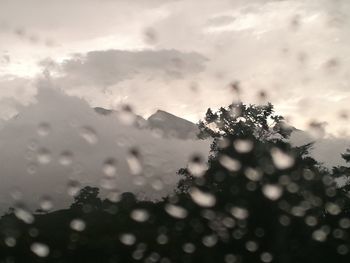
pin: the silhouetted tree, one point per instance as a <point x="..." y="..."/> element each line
<point x="342" y="173"/>
<point x="87" y="199"/>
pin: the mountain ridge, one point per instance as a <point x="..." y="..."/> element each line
<point x="161" y="122"/>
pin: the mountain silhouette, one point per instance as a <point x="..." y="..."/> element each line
<point x="163" y="123"/>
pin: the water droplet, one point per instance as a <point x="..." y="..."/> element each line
<point x="10" y="241"/>
<point x="46" y="203"/>
<point x="197" y="166"/>
<point x="333" y="208"/>
<point x="311" y="221"/>
<point x="44" y="156"/>
<point x="281" y="159"/>
<point x="319" y="235"/>
<point x="127" y="239"/>
<point x="210" y="240"/>
<point x="272" y="191"/>
<point x="251" y="246"/>
<point x="66" y="158"/>
<point x="243" y="146"/>
<point x="32" y="168"/>
<point x="24" y="215"/>
<point x="230" y="258"/>
<point x="126" y="115"/>
<point x="89" y="135"/>
<point x="253" y="174"/>
<point x="162" y="239"/>
<point x="44" y="129"/>
<point x="239" y="212"/>
<point x="114" y="196"/>
<point x="158" y="185"/>
<point x="109" y="167"/>
<point x="343" y="249"/>
<point x="134" y="162"/>
<point x="266" y="257"/>
<point x="344" y="223"/>
<point x="229" y="163"/>
<point x="33" y="145"/>
<point x="77" y="225"/>
<point x="189" y="248"/>
<point x="284" y="220"/>
<point x="73" y="187"/>
<point x="40" y="249"/>
<point x="139" y="180"/>
<point x="176" y="211"/>
<point x="108" y="183"/>
<point x="201" y="198"/>
<point x="140" y="215"/>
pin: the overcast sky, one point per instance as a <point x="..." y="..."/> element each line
<point x="181" y="55"/>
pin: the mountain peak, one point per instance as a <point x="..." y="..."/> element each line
<point x="172" y="125"/>
<point x="168" y="124"/>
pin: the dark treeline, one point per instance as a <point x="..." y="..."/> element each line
<point x="257" y="199"/>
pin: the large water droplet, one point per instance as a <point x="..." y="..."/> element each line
<point x="77" y="225"/>
<point x="134" y="162"/>
<point x="109" y="167"/>
<point x="73" y="187"/>
<point x="176" y="211"/>
<point x="10" y="241"/>
<point x="44" y="129"/>
<point x="239" y="212"/>
<point x="230" y="163"/>
<point x="126" y="115"/>
<point x="253" y="174"/>
<point x="201" y="198"/>
<point x="66" y="158"/>
<point x="23" y="214"/>
<point x="140" y="215"/>
<point x="44" y="156"/>
<point x="127" y="239"/>
<point x="243" y="146"/>
<point x="319" y="235"/>
<point x="197" y="166"/>
<point x="40" y="249"/>
<point x="46" y="203"/>
<point x="281" y="159"/>
<point x="272" y="191"/>
<point x="210" y="240"/>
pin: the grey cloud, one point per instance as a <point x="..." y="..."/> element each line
<point x="109" y="67"/>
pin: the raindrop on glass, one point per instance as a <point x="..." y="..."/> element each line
<point x="140" y="215"/>
<point x="66" y="158"/>
<point x="73" y="187"/>
<point x="89" y="135"/>
<point x="77" y="225"/>
<point x="40" y="249"/>
<point x="229" y="163"/>
<point x="176" y="211"/>
<point x="44" y="156"/>
<point x="243" y="146"/>
<point x="46" y="203"/>
<point x="44" y="129"/>
<point x="109" y="167"/>
<point x="202" y="198"/>
<point x="272" y="191"/>
<point x="134" y="162"/>
<point x="281" y="159"/>
<point x="127" y="239"/>
<point x="197" y="166"/>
